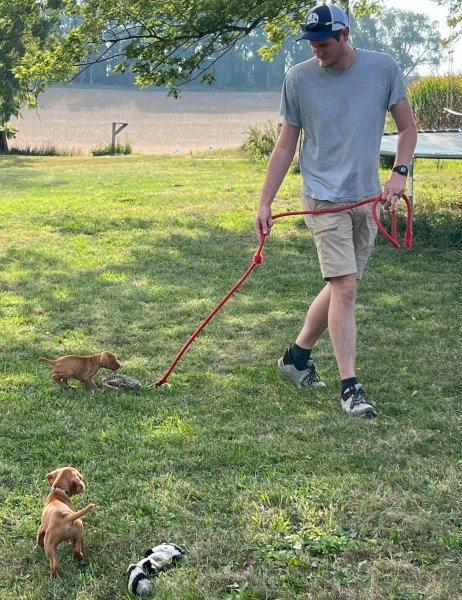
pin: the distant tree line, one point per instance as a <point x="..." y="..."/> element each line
<point x="409" y="37"/>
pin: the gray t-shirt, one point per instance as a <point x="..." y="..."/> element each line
<point x="342" y="114"/>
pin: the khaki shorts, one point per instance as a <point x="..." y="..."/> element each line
<point x="344" y="240"/>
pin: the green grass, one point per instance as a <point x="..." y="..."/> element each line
<point x="274" y="492"/>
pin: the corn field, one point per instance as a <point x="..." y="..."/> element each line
<point x="429" y="96"/>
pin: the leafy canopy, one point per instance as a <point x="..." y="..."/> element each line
<point x="27" y="27"/>
<point x="454" y="13"/>
<point x="411" y="38"/>
<point x="165" y="43"/>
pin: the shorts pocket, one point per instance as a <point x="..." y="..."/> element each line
<point x="325" y="229"/>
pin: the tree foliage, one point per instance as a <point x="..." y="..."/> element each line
<point x="166" y="43"/>
<point x="454" y="14"/>
<point x="409" y="37"/>
<point x="26" y="26"/>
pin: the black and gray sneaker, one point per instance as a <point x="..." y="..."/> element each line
<point x="306" y="378"/>
<point x="354" y="401"/>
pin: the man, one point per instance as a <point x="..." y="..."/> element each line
<point x="339" y="99"/>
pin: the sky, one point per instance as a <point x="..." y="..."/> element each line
<point x="436" y="13"/>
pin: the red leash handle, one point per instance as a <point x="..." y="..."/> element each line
<point x="258" y="259"/>
<point x="391" y="238"/>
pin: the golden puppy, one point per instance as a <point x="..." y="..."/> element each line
<point x="59" y="520"/>
<point x="83" y="368"/>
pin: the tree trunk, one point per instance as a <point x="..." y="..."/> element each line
<point x="3" y="143"/>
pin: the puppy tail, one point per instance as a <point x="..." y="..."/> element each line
<point x="47" y="360"/>
<point x="81" y="513"/>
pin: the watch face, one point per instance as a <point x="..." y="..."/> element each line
<point x="402" y="170"/>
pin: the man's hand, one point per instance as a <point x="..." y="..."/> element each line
<point x="393" y="189"/>
<point x="263" y="221"/>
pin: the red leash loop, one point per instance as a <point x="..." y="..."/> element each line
<point x="258" y="258"/>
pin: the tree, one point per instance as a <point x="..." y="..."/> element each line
<point x="25" y="26"/>
<point x="409" y="37"/>
<point x="244" y="68"/>
<point x="166" y="43"/>
<point x="454" y="16"/>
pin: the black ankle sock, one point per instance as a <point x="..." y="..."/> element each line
<point x="346" y="383"/>
<point x="297" y="356"/>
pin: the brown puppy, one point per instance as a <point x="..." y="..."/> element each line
<point x="59" y="520"/>
<point x="83" y="368"/>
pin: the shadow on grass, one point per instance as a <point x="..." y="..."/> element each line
<point x="168" y="281"/>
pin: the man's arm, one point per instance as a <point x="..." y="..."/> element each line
<point x="279" y="163"/>
<point x="407" y="139"/>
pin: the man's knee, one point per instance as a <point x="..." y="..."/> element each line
<point x="344" y="287"/>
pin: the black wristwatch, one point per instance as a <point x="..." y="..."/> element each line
<point x="401" y="169"/>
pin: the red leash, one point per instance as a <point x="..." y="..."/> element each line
<point x="258" y="258"/>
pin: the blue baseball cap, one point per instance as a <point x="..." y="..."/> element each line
<point x="321" y="21"/>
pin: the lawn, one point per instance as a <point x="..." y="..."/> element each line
<point x="274" y="492"/>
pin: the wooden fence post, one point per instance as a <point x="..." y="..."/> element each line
<point x="116" y="131"/>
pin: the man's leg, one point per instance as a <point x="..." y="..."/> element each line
<point x="342" y="325"/>
<point x="316" y="320"/>
<point x="296" y="363"/>
<point x="333" y="308"/>
<point x="342" y="330"/>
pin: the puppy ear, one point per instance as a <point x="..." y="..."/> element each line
<point x="52" y="476"/>
<point x="77" y="486"/>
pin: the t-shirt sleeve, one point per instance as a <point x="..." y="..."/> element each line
<point x="397" y="87"/>
<point x="290" y="106"/>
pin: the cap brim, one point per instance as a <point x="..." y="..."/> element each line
<point x="317" y="36"/>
